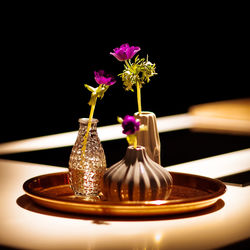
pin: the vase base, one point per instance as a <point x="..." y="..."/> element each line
<point x="92" y="197"/>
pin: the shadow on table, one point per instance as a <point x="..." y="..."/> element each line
<point x="26" y="202"/>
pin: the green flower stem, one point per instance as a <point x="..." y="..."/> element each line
<point x="138" y="97"/>
<point x="88" y="128"/>
<point x="132" y="140"/>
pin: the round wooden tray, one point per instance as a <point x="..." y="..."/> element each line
<point x="189" y="193"/>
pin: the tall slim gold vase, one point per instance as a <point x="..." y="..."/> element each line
<point x="150" y="138"/>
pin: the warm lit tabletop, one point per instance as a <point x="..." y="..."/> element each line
<point x="27" y="226"/>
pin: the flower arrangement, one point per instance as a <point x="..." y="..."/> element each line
<point x="87" y="171"/>
<point x="135" y="73"/>
<point x="104" y="81"/>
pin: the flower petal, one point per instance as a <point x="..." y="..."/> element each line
<point x="102" y="78"/>
<point x="130" y="125"/>
<point x="125" y="52"/>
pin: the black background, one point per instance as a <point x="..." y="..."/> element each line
<point x="49" y="52"/>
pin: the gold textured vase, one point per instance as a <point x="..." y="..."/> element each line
<point x="86" y="175"/>
<point x="137" y="178"/>
<point x="149" y="138"/>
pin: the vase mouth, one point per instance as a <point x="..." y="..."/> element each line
<point x="138" y="148"/>
<point x="144" y="113"/>
<point x="135" y="154"/>
<point x="86" y="120"/>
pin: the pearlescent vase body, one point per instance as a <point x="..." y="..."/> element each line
<point x="150" y="138"/>
<point x="137" y="178"/>
<point x="86" y="176"/>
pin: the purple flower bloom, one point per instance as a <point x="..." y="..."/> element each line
<point x="125" y="52"/>
<point x="130" y="125"/>
<point x="102" y="78"/>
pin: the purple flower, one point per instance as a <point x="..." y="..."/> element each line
<point x="125" y="52"/>
<point x="130" y="125"/>
<point x="102" y="78"/>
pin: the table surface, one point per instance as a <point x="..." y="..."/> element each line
<point x="26" y="225"/>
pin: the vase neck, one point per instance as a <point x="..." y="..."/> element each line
<point x="86" y="120"/>
<point x="83" y="122"/>
<point x="135" y="154"/>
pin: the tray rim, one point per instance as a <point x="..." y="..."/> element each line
<point x="127" y="208"/>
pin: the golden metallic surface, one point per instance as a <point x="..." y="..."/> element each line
<point x="189" y="193"/>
